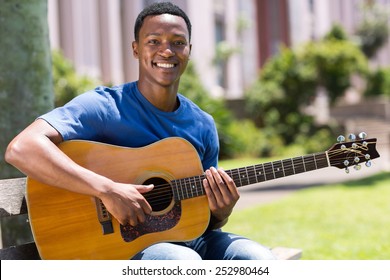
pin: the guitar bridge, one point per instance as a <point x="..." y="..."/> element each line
<point x="104" y="217"/>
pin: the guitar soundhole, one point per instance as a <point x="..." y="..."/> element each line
<point x="161" y="196"/>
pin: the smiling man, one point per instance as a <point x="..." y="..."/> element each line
<point x="137" y="114"/>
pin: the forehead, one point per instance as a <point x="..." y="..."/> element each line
<point x="163" y="24"/>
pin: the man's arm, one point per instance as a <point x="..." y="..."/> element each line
<point x="34" y="152"/>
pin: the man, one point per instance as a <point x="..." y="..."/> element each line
<point x="134" y="115"/>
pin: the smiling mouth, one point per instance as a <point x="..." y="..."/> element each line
<point x="164" y="65"/>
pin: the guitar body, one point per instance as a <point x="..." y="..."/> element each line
<point x="65" y="224"/>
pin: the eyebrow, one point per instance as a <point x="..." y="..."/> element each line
<point x="159" y="34"/>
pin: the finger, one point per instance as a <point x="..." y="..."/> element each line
<point x="210" y="195"/>
<point x="229" y="183"/>
<point x="144" y="188"/>
<point x="144" y="204"/>
<point x="214" y="182"/>
<point x="225" y="196"/>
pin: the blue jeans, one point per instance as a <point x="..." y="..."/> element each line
<point x="212" y="245"/>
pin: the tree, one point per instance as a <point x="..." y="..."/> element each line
<point x="289" y="81"/>
<point x="373" y="30"/>
<point x="25" y="70"/>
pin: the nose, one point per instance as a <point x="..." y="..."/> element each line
<point x="166" y="50"/>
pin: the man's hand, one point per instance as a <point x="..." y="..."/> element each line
<point x="126" y="203"/>
<point x="222" y="194"/>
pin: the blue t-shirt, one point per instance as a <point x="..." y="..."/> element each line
<point x="122" y="116"/>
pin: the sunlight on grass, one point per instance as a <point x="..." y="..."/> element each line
<point x="343" y="221"/>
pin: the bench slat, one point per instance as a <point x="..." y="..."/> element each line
<point x="12" y="197"/>
<point x="27" y="251"/>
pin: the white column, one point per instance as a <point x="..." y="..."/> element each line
<point x="201" y="14"/>
<point x="234" y="70"/>
<point x="86" y="37"/>
<point x="53" y="22"/>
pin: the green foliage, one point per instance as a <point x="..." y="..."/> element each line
<point x="333" y="63"/>
<point x="67" y="83"/>
<point x="289" y="81"/>
<point x="373" y="30"/>
<point x="234" y="136"/>
<point x="337" y="32"/>
<point x="247" y="140"/>
<point x="378" y="82"/>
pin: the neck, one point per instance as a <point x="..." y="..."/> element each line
<point x="163" y="98"/>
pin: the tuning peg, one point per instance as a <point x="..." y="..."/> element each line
<point x="346" y="170"/>
<point x="352" y="137"/>
<point x="356" y="159"/>
<point x="340" y="139"/>
<point x="368" y="163"/>
<point x="362" y="135"/>
<point x="357" y="167"/>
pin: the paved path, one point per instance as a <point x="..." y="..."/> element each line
<point x="270" y="191"/>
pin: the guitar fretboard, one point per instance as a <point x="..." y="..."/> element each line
<point x="192" y="186"/>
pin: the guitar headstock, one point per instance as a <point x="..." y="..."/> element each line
<point x="353" y="152"/>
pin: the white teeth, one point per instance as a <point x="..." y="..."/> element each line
<point x="165" y="65"/>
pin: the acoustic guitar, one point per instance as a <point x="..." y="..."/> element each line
<point x="68" y="225"/>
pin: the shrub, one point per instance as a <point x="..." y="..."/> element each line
<point x="233" y="138"/>
<point x="288" y="83"/>
<point x="67" y="83"/>
<point x="378" y="83"/>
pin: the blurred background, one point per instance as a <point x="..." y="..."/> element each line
<point x="281" y="77"/>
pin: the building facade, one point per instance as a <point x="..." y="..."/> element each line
<point x="232" y="39"/>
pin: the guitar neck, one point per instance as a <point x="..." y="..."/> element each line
<point x="192" y="186"/>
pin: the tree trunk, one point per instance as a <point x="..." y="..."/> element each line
<point x="26" y="89"/>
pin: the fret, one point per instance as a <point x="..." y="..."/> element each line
<point x="278" y="169"/>
<point x="235" y="175"/>
<point x="185" y="180"/>
<point x="199" y="187"/>
<point x="244" y="176"/>
<point x="194" y="185"/>
<point x="191" y="187"/>
<point x="322" y="161"/>
<point x="175" y="190"/>
<point x="239" y="177"/>
<point x="298" y="165"/>
<point x="269" y="171"/>
<point x="288" y="167"/>
<point x="252" y="178"/>
<point x="180" y="189"/>
<point x="309" y="163"/>
<point x="188" y="187"/>
<point x="260" y="176"/>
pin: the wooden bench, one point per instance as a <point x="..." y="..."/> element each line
<point x="16" y="241"/>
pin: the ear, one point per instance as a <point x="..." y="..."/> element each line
<point x="134" y="45"/>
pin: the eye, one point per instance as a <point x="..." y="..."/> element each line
<point x="180" y="43"/>
<point x="153" y="42"/>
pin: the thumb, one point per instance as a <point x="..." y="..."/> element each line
<point x="144" y="188"/>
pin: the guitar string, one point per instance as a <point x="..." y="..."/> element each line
<point x="165" y="190"/>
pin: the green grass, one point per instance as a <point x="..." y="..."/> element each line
<point x="335" y="222"/>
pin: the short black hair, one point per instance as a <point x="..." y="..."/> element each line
<point x="160" y="8"/>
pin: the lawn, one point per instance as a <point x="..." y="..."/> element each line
<point x="336" y="222"/>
